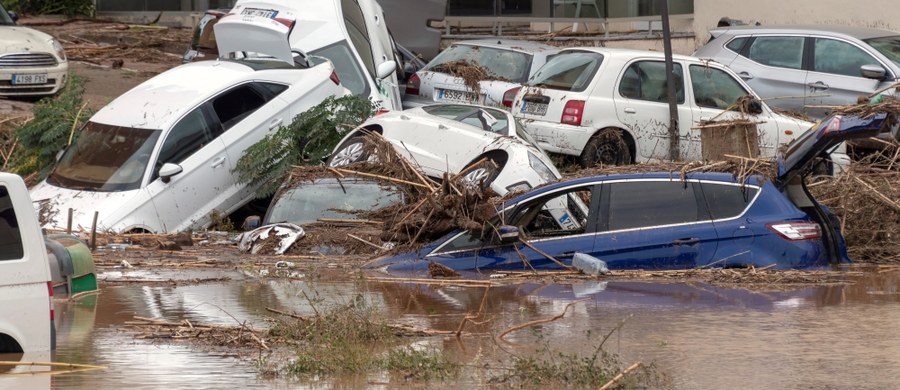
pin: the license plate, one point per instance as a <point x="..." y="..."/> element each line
<point x="21" y="79"/>
<point x="450" y="95"/>
<point x="539" y="109"/>
<point x="266" y="13"/>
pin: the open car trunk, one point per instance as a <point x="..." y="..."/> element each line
<point x="256" y="30"/>
<point x="802" y="155"/>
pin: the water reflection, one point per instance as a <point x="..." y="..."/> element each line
<point x="701" y="335"/>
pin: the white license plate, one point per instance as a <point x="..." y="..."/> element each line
<point x="21" y="79"/>
<point x="266" y="13"/>
<point x="539" y="109"/>
<point x="450" y="95"/>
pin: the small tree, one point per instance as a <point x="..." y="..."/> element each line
<point x="306" y="141"/>
<point x="54" y="126"/>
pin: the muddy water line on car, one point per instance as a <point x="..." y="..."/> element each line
<point x="701" y="336"/>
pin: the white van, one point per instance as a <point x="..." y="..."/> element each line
<point x="26" y="292"/>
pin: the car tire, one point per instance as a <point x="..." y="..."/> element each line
<point x="351" y="151"/>
<point x="481" y="174"/>
<point x="607" y="147"/>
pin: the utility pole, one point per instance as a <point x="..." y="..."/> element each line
<point x="674" y="151"/>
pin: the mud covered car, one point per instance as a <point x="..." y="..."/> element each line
<point x="663" y="220"/>
<point x="160" y="157"/>
<point x="507" y="63"/>
<point x="330" y="198"/>
<point x="32" y="63"/>
<point x="486" y="144"/>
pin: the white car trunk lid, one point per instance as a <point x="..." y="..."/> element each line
<point x="256" y="30"/>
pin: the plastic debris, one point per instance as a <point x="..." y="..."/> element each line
<point x="588" y="264"/>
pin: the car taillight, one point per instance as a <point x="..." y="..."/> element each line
<point x="509" y="96"/>
<point x="797" y="231"/>
<point x="412" y="85"/>
<point x="334" y="77"/>
<point x="834" y="124"/>
<point x="573" y="112"/>
<point x="50" y="291"/>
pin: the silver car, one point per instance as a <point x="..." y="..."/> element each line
<point x="807" y="68"/>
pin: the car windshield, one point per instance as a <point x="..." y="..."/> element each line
<point x="5" y="20"/>
<point x="571" y="71"/>
<point x="506" y="64"/>
<point x="887" y="46"/>
<point x="310" y="202"/>
<point x="105" y="158"/>
<point x="347" y="67"/>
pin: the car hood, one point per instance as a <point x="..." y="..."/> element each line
<point x="15" y="39"/>
<point x="243" y="31"/>
<point x="110" y="205"/>
<point x="827" y="134"/>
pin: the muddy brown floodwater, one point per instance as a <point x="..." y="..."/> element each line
<point x="699" y="335"/>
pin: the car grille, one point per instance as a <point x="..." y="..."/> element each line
<point x="27" y="60"/>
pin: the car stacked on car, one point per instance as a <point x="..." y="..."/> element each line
<point x="160" y="158"/>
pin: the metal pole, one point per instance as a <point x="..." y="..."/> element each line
<point x="674" y="151"/>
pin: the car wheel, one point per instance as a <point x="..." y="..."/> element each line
<point x="351" y="151"/>
<point x="607" y="147"/>
<point x="481" y="175"/>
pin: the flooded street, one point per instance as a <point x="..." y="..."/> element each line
<point x="699" y="336"/>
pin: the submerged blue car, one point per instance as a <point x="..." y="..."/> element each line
<point x="661" y="220"/>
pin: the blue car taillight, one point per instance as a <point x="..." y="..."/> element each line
<point x="797" y="231"/>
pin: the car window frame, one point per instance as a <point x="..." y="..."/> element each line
<point x="664" y="99"/>
<point x="215" y="131"/>
<point x="606" y="206"/>
<point x="748" y="46"/>
<point x="747" y="91"/>
<point x="811" y="53"/>
<point x="10" y="227"/>
<point x="743" y="186"/>
<point x="589" y="229"/>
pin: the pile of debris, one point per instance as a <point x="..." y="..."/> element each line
<point x="740" y="167"/>
<point x="866" y="199"/>
<point x="472" y="73"/>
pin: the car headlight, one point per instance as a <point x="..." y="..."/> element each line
<point x="60" y="52"/>
<point x="542" y="169"/>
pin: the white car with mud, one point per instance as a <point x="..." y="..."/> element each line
<point x="160" y="157"/>
<point x="506" y="65"/>
<point x="486" y="144"/>
<point x="352" y="34"/>
<point x="32" y="63"/>
<point x="610" y="106"/>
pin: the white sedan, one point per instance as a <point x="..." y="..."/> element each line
<point x="453" y="137"/>
<point x="160" y="157"/>
<point x="31" y="63"/>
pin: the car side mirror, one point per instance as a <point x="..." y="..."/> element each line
<point x="506" y="234"/>
<point x="752" y="106"/>
<point x="385" y="69"/>
<point x="14" y="16"/>
<point x="168" y="170"/>
<point x="872" y="72"/>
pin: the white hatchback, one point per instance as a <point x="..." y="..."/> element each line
<point x="160" y="157"/>
<point x="510" y="63"/>
<point x="32" y="63"/>
<point x="583" y="99"/>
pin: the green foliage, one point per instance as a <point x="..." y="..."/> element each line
<point x="309" y="138"/>
<point x="419" y="364"/>
<point x="69" y="8"/>
<point x="55" y="124"/>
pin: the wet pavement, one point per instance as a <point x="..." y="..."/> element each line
<point x="699" y="335"/>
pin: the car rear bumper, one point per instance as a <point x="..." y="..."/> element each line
<point x="559" y="138"/>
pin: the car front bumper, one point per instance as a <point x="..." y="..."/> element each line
<point x="57" y="76"/>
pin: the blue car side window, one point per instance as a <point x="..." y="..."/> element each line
<point x="651" y="203"/>
<point x="727" y="201"/>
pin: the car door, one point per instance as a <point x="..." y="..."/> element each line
<point x="540" y="235"/>
<point x="642" y="105"/>
<point x="247" y="112"/>
<point x="727" y="203"/>
<point x="186" y="200"/>
<point x="654" y="224"/>
<point x="773" y="66"/>
<point x="835" y="77"/>
<point x="715" y="93"/>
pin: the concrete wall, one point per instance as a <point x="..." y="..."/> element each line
<point x="868" y="13"/>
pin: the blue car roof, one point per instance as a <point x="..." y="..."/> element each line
<point x="711" y="176"/>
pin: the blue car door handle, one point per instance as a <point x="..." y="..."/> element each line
<point x="686" y="241"/>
